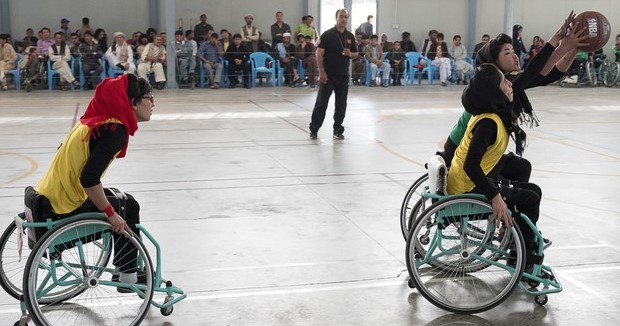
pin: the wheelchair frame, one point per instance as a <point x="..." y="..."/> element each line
<point x="454" y="273"/>
<point x="79" y="283"/>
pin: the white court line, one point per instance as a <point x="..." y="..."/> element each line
<point x="294" y="291"/>
<point x="240" y="268"/>
<point x="287" y="114"/>
<point x="580" y="247"/>
<point x="365" y="285"/>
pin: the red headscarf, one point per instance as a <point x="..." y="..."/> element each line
<point x="111" y="101"/>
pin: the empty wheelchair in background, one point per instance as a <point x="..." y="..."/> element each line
<point x="611" y="73"/>
<point x="67" y="274"/>
<point x="461" y="262"/>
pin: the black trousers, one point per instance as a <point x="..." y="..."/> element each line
<point x="125" y="253"/>
<point x="339" y="85"/>
<point x="525" y="198"/>
<point x="234" y="70"/>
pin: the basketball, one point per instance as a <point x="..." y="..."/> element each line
<point x="598" y="27"/>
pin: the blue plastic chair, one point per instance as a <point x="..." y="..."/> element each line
<point x="51" y="73"/>
<point x="413" y="59"/>
<point x="15" y="72"/>
<point x="202" y="73"/>
<point x="379" y="71"/>
<point x="259" y="61"/>
<point x="111" y="70"/>
<point x="82" y="78"/>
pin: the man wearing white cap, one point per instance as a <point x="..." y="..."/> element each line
<point x="285" y="53"/>
<point x="120" y="54"/>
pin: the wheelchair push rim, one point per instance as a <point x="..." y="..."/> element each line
<point x="66" y="257"/>
<point x="461" y="270"/>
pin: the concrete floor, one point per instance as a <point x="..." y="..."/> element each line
<point x="263" y="226"/>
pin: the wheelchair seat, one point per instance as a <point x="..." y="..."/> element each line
<point x="37" y="209"/>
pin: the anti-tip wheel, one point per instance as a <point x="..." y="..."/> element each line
<point x="541" y="300"/>
<point x="167" y="311"/>
<point x="410" y="283"/>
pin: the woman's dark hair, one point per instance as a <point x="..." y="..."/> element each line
<point x="137" y="88"/>
<point x="490" y="51"/>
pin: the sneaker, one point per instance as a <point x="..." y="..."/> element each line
<point x="313" y="135"/>
<point x="443" y="84"/>
<point x="338" y="136"/>
<point x="465" y="82"/>
<point x="141" y="280"/>
<point x="5" y="87"/>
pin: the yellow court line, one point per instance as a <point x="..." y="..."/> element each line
<point x="33" y="167"/>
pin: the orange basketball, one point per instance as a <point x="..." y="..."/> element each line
<point x="598" y="27"/>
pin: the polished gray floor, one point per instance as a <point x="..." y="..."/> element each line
<point x="263" y="226"/>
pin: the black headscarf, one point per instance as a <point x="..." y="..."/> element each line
<point x="521" y="105"/>
<point x="483" y="95"/>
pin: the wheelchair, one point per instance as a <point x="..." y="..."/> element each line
<point x="34" y="74"/>
<point x="611" y="73"/>
<point x="67" y="274"/>
<point x="458" y="260"/>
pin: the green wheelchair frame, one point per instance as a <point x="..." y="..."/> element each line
<point x="77" y="281"/>
<point x="442" y="213"/>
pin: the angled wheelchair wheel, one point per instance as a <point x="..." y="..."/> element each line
<point x="74" y="257"/>
<point x="591" y="75"/>
<point x="413" y="204"/>
<point x="458" y="260"/>
<point x="612" y="74"/>
<point x="11" y="264"/>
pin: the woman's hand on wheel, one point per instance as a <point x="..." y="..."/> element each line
<point x="500" y="211"/>
<point x="118" y="224"/>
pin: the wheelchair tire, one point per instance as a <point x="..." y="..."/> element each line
<point x="75" y="247"/>
<point x="11" y="267"/>
<point x="591" y="75"/>
<point x="461" y="269"/>
<point x="612" y="74"/>
<point x="413" y="199"/>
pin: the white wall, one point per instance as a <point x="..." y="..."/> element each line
<point x="111" y="15"/>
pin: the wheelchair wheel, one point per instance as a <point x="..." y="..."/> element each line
<point x="591" y="75"/>
<point x="72" y="255"/>
<point x="612" y="74"/>
<point x="413" y="204"/>
<point x="11" y="266"/>
<point x="458" y="261"/>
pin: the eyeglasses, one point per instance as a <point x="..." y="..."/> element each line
<point x="150" y="98"/>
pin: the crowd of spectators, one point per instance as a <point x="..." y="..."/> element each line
<point x="225" y="55"/>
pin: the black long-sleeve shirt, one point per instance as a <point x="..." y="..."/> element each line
<point x="484" y="134"/>
<point x="105" y="142"/>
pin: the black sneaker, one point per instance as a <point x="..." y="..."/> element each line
<point x="338" y="135"/>
<point x="313" y="135"/>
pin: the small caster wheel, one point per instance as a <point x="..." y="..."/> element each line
<point x="410" y="283"/>
<point x="425" y="240"/>
<point x="541" y="300"/>
<point x="167" y="311"/>
<point x="17" y="323"/>
<point x="28" y="88"/>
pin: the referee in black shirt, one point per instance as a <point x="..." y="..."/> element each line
<point x="336" y="47"/>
